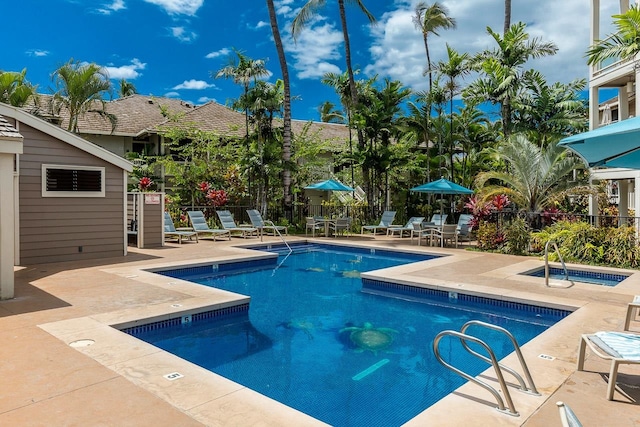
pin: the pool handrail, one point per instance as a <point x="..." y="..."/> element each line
<point x="531" y="388"/>
<point x="546" y="263"/>
<point x="494" y="361"/>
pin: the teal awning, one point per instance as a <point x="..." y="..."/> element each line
<point x="329" y="185"/>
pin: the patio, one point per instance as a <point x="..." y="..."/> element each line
<point x="119" y="381"/>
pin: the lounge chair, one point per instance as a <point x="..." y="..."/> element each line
<point x="385" y="222"/>
<point x="464" y="229"/>
<point x="340" y="225"/>
<point x="170" y="230"/>
<point x="407" y="228"/>
<point x="313" y="225"/>
<point x="439" y="219"/>
<point x="261" y="225"/>
<point x="620" y="347"/>
<point x="200" y="226"/>
<point x="567" y="417"/>
<point x="226" y="219"/>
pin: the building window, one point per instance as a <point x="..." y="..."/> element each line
<point x="72" y="181"/>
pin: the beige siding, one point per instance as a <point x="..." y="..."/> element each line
<point x="66" y="228"/>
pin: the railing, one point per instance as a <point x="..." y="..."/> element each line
<point x="546" y="263"/>
<point x="498" y="368"/>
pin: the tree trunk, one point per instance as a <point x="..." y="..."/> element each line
<point x="286" y="119"/>
<point x="507" y="16"/>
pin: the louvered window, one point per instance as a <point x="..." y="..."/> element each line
<point x="72" y="181"/>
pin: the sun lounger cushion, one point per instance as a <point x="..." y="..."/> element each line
<point x="622" y="345"/>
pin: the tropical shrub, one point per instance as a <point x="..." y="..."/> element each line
<point x="489" y="237"/>
<point x="517" y="237"/>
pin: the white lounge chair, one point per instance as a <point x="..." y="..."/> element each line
<point x="201" y="227"/>
<point x="621" y="348"/>
<point x="226" y="219"/>
<point x="439" y="219"/>
<point x="385" y="222"/>
<point x="170" y="230"/>
<point x="407" y="228"/>
<point x="256" y="220"/>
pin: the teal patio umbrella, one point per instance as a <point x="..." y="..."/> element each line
<point x="614" y="146"/>
<point x="442" y="187"/>
<point x="329" y="185"/>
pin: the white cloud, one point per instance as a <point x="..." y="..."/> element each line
<point x="114" y="6"/>
<point x="261" y="24"/>
<point x="315" y="49"/>
<point x="183" y="34"/>
<point x="398" y="51"/>
<point x="205" y="99"/>
<point x="222" y="52"/>
<point x="283" y="7"/>
<point x="193" y="84"/>
<point x="127" y="72"/>
<point x="172" y="95"/>
<point x="37" y="52"/>
<point x="178" y="7"/>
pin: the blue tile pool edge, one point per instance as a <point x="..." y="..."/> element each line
<point x="579" y="273"/>
<point x="395" y="289"/>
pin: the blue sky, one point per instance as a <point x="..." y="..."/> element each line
<point x="171" y="47"/>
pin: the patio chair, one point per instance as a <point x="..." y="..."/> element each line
<point x="170" y="230"/>
<point x="620" y="347"/>
<point x="340" y="225"/>
<point x="407" y="228"/>
<point x="313" y="225"/>
<point x="201" y="227"/>
<point x="464" y="219"/>
<point x="261" y="225"/>
<point x="226" y="219"/>
<point x="385" y="222"/>
<point x="422" y="230"/>
<point x="567" y="417"/>
<point x="446" y="233"/>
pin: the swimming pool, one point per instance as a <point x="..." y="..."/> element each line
<point x="306" y="340"/>
<point x="585" y="276"/>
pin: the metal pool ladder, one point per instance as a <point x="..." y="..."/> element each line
<point x="546" y="264"/>
<point x="499" y="368"/>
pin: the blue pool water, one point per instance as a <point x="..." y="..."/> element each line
<point x="297" y="342"/>
<point x="593" y="277"/>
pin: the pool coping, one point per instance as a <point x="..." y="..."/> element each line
<point x="146" y="366"/>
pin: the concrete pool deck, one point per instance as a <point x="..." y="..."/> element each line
<point x="118" y="380"/>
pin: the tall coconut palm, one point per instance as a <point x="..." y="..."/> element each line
<point x="243" y="70"/>
<point x="536" y="178"/>
<point x="507" y="16"/>
<point x="286" y="118"/>
<point x="304" y="16"/>
<point x="502" y="69"/>
<point x="79" y="86"/>
<point x="15" y="89"/>
<point x="624" y="43"/>
<point x="429" y="19"/>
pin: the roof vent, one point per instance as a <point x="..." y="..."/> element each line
<point x="150" y="101"/>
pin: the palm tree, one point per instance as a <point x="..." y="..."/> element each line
<point x="429" y="19"/>
<point x="502" y="69"/>
<point x="79" y="86"/>
<point x="286" y="118"/>
<point x="507" y="16"/>
<point x="302" y="19"/>
<point x="127" y="88"/>
<point x="330" y="114"/>
<point x="243" y="71"/>
<point x="455" y="67"/>
<point x="537" y="177"/>
<point x="624" y="43"/>
<point x="15" y="89"/>
<point x="548" y="112"/>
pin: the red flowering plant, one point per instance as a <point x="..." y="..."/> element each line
<point x="145" y="183"/>
<point x="211" y="195"/>
<point x="480" y="211"/>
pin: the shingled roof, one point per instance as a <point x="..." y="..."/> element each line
<point x="8" y="132"/>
